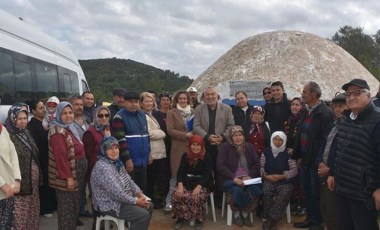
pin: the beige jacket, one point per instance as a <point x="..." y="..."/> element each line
<point x="9" y="167"/>
<point x="156" y="138"/>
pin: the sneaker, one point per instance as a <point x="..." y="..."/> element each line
<point x="198" y="224"/>
<point x="168" y="208"/>
<point x="48" y="215"/>
<point x="178" y="223"/>
<point x="247" y="221"/>
<point x="239" y="221"/>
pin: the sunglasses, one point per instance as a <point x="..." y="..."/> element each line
<point x="104" y="115"/>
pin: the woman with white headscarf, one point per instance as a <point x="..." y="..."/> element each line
<point x="277" y="171"/>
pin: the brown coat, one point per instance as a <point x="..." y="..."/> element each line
<point x="177" y="131"/>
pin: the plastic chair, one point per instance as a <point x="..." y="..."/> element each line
<point x="107" y="219"/>
<point x="229" y="211"/>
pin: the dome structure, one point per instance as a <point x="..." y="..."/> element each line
<point x="292" y="57"/>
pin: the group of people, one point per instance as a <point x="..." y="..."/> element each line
<point x="148" y="151"/>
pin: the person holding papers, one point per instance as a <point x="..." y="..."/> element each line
<point x="237" y="162"/>
<point x="277" y="171"/>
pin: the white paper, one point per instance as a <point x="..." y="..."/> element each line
<point x="256" y="180"/>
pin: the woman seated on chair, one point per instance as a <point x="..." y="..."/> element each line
<point x="194" y="177"/>
<point x="237" y="161"/>
<point x="114" y="193"/>
<point x="277" y="171"/>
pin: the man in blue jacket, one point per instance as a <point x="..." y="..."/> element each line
<point x="129" y="127"/>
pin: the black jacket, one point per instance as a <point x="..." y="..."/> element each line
<point x="357" y="159"/>
<point x="277" y="113"/>
<point x="243" y="119"/>
<point x="322" y="121"/>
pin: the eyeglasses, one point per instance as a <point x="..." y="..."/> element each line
<point x="104" y="115"/>
<point x="267" y="92"/>
<point x="356" y="93"/>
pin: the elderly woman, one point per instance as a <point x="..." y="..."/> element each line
<point x="27" y="202"/>
<point x="91" y="140"/>
<point x="114" y="193"/>
<point x="48" y="202"/>
<point x="67" y="165"/>
<point x="180" y="133"/>
<point x="10" y="178"/>
<point x="277" y="170"/>
<point x="237" y="161"/>
<point x="259" y="133"/>
<point x="194" y="177"/>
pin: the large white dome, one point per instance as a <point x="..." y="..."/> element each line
<point x="292" y="57"/>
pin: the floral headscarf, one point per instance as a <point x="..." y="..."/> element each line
<point x="234" y="129"/>
<point x="275" y="149"/>
<point x="97" y="125"/>
<point x="106" y="143"/>
<point x="13" y="112"/>
<point x="57" y="120"/>
<point x="190" y="154"/>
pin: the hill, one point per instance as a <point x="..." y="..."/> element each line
<point x="103" y="75"/>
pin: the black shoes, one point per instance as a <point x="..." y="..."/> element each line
<point x="198" y="224"/>
<point x="247" y="221"/>
<point x="179" y="223"/>
<point x="304" y="224"/>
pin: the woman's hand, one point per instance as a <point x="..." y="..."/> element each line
<point x="129" y="166"/>
<point x="196" y="190"/>
<point x="290" y="151"/>
<point x="239" y="182"/>
<point x="8" y="190"/>
<point x="70" y="184"/>
<point x="246" y="178"/>
<point x="16" y="188"/>
<point x="142" y="202"/>
<point x="179" y="190"/>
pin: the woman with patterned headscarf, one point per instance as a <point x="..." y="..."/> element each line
<point x="194" y="177"/>
<point x="237" y="161"/>
<point x="277" y="170"/>
<point x="27" y="202"/>
<point x="259" y="132"/>
<point x="67" y="165"/>
<point x="91" y="140"/>
<point x="114" y="192"/>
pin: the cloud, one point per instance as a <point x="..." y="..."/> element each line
<point x="183" y="36"/>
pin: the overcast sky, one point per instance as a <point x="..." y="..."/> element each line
<point x="183" y="36"/>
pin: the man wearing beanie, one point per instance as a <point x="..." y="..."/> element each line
<point x="355" y="177"/>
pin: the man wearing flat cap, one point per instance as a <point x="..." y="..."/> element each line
<point x="130" y="128"/>
<point x="355" y="177"/>
<point x="118" y="101"/>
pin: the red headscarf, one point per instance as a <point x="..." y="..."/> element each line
<point x="190" y="154"/>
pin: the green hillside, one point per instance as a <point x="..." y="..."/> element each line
<point x="103" y="75"/>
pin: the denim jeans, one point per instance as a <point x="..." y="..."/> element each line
<point x="311" y="187"/>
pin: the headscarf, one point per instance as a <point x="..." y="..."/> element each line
<point x="255" y="127"/>
<point x="57" y="120"/>
<point x="275" y="149"/>
<point x="241" y="147"/>
<point x="97" y="125"/>
<point x="13" y="112"/>
<point x="190" y="154"/>
<point x="106" y="143"/>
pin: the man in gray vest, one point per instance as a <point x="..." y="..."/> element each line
<point x="356" y="178"/>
